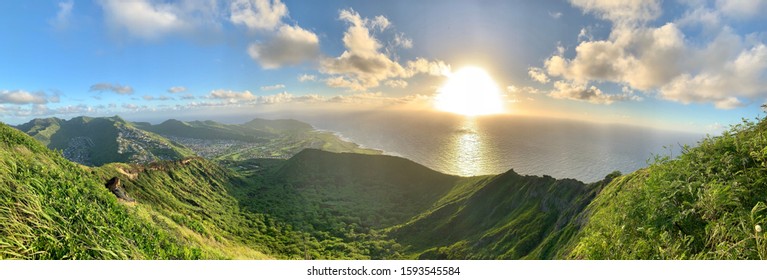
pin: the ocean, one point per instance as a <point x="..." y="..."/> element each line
<point x="469" y="146"/>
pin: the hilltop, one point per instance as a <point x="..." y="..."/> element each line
<point x="97" y="141"/>
<point x="708" y="203"/>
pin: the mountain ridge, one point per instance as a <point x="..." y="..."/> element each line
<point x="706" y="204"/>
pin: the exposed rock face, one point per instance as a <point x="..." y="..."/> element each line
<point x="116" y="188"/>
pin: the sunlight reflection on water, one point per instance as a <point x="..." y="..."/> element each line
<point x="468" y="150"/>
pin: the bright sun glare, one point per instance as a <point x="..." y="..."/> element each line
<point x="470" y="92"/>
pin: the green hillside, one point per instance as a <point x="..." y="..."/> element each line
<point x="707" y="204"/>
<point x="51" y="208"/>
<point x="97" y="141"/>
<point x="508" y="216"/>
<point x="54" y="209"/>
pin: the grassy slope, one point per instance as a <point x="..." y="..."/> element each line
<point x="51" y="208"/>
<point x="704" y="205"/>
<point x="190" y="199"/>
<point x="56" y="134"/>
<point x="508" y="216"/>
<point x="432" y="215"/>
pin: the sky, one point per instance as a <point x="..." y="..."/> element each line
<point x="690" y="65"/>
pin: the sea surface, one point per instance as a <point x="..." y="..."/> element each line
<point x="469" y="146"/>
<point x="464" y="146"/>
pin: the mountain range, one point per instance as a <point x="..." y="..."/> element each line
<point x="280" y="189"/>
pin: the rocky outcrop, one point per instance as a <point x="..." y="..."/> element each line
<point x="116" y="188"/>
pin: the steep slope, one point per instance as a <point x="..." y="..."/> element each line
<point x="425" y="213"/>
<point x="96" y="141"/>
<point x="50" y="208"/>
<point x="508" y="216"/>
<point x="709" y="203"/>
<point x="379" y="190"/>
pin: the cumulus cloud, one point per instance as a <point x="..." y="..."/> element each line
<point x="396" y="83"/>
<point x="621" y="11"/>
<point x="153" y="19"/>
<point x="290" y="45"/>
<point x="63" y="16"/>
<point x="717" y="66"/>
<point x="306" y="78"/>
<point x="273" y="87"/>
<point x="116" y="88"/>
<point x="282" y="97"/>
<point x="581" y="92"/>
<point x="258" y="14"/>
<point x="742" y="8"/>
<point x="538" y="75"/>
<point x="231" y="95"/>
<point x="142" y="18"/>
<point x="362" y="65"/>
<point x="176" y="89"/>
<point x="555" y="15"/>
<point x="25" y="97"/>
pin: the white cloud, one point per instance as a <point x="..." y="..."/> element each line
<point x="188" y="97"/>
<point x="306" y="78"/>
<point x="231" y="95"/>
<point x="742" y="8"/>
<point x="396" y="83"/>
<point x="142" y="18"/>
<point x="153" y="19"/>
<point x="581" y="92"/>
<point x="176" y="89"/>
<point x="258" y="14"/>
<point x="25" y="97"/>
<point x="291" y="45"/>
<point x="584" y="35"/>
<point x="621" y="11"/>
<point x="362" y="65"/>
<point x="63" y="16"/>
<point x="380" y="23"/>
<point x="555" y="15"/>
<point x="717" y="66"/>
<point x="273" y="87"/>
<point x="538" y="75"/>
<point x="342" y="82"/>
<point x="400" y="40"/>
<point x="116" y="88"/>
<point x="282" y="97"/>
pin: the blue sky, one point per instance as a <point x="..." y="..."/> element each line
<point x="685" y="64"/>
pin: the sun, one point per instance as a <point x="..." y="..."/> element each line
<point x="470" y="91"/>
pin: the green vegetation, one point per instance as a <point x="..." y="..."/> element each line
<point x="97" y="141"/>
<point x="508" y="216"/>
<point x="708" y="203"/>
<point x="51" y="208"/>
<point x="258" y="138"/>
<point x="207" y="130"/>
